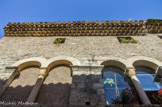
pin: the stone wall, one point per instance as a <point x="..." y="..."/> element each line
<point x="85" y="42"/>
<point x="84" y="49"/>
<point x="20" y="88"/>
<point x="87" y="86"/>
<point x="4" y="62"/>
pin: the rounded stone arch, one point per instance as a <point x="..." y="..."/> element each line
<point x="57" y="83"/>
<point x="113" y="61"/>
<point x="30" y="62"/>
<point x="62" y="60"/>
<point x="58" y="63"/>
<point x="26" y="68"/>
<point x="144" y="61"/>
<point x="114" y="68"/>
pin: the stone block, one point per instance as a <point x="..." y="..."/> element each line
<point x="121" y="22"/>
<point x="112" y="22"/>
<point x="80" y="85"/>
<point x="14" y="23"/>
<point x="84" y="95"/>
<point x="100" y="91"/>
<point x="54" y="23"/>
<point x="102" y="22"/>
<point x="97" y="22"/>
<point x="83" y="22"/>
<point x="93" y="22"/>
<point x="116" y="22"/>
<point x="78" y="22"/>
<point x="97" y="85"/>
<point x="64" y="22"/>
<point x="41" y="23"/>
<point x="75" y="68"/>
<point x="135" y="22"/>
<point x="130" y="22"/>
<point x="88" y="22"/>
<point x="9" y="23"/>
<point x="74" y="22"/>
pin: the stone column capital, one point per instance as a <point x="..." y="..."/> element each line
<point x="43" y="73"/>
<point x="130" y="71"/>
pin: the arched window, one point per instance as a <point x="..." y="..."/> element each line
<point x="114" y="83"/>
<point x="21" y="86"/>
<point x="146" y="77"/>
<point x="56" y="87"/>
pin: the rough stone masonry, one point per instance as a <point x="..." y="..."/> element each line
<point x="85" y="41"/>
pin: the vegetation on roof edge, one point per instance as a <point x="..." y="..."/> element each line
<point x="159" y="20"/>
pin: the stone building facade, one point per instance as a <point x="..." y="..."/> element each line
<point x="35" y="69"/>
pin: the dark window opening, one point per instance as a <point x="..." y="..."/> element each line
<point x="160" y="37"/>
<point x="59" y="41"/>
<point x="87" y="103"/>
<point x="126" y="40"/>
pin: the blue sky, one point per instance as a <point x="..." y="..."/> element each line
<point x="69" y="10"/>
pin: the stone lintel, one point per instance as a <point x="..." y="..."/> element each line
<point x="87" y="70"/>
<point x="10" y="69"/>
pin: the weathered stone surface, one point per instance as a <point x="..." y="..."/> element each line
<point x="82" y="48"/>
<point x="21" y="87"/>
<point x="87" y="83"/>
<point x="87" y="89"/>
<point x="55" y="90"/>
<point x="77" y="28"/>
<point x="86" y="49"/>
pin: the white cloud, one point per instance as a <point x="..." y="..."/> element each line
<point x="129" y="19"/>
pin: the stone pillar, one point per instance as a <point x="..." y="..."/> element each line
<point x="37" y="86"/>
<point x="132" y="74"/>
<point x="87" y="86"/>
<point x="11" y="73"/>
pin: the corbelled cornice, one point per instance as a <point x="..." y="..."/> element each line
<point x="82" y="28"/>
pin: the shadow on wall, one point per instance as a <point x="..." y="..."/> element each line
<point x="15" y="94"/>
<point x="55" y="89"/>
<point x="55" y="95"/>
<point x="87" y="90"/>
<point x="21" y="86"/>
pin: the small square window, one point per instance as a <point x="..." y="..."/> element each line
<point x="126" y="40"/>
<point x="160" y="37"/>
<point x="59" y="41"/>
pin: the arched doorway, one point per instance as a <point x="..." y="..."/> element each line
<point x="55" y="90"/>
<point x="20" y="88"/>
<point x="114" y="83"/>
<point x="146" y="76"/>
